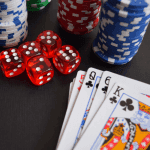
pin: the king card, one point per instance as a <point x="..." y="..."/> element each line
<point x="122" y="122"/>
<point x="106" y="84"/>
<point x="74" y="125"/>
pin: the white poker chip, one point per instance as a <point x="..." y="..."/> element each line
<point x="13" y="22"/>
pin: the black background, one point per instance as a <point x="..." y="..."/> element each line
<point x="31" y="117"/>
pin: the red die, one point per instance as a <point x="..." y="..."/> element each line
<point x="39" y="70"/>
<point x="12" y="62"/>
<point x="67" y="59"/>
<point x="30" y="49"/>
<point x="50" y="43"/>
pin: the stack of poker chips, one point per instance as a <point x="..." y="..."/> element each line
<point x="13" y="22"/>
<point x="78" y="16"/>
<point x="123" y="24"/>
<point x="36" y="5"/>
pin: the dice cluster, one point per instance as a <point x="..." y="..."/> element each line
<point x="33" y="56"/>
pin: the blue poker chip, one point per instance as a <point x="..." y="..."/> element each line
<point x="118" y="60"/>
<point x="123" y="13"/>
<point x="119" y="39"/>
<point x="119" y="5"/>
<point x="131" y="4"/>
<point x="118" y="42"/>
<point x="123" y="24"/>
<point x="125" y="21"/>
<point x="113" y="47"/>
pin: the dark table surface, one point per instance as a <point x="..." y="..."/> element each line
<point x="31" y="117"/>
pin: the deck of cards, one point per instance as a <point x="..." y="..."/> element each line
<point x="106" y="111"/>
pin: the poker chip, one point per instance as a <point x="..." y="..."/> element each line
<point x="78" y="16"/>
<point x="36" y="5"/>
<point x="123" y="24"/>
<point x="13" y="22"/>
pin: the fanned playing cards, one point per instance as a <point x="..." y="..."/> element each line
<point x="106" y="111"/>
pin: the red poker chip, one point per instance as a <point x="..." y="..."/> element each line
<point x="79" y="8"/>
<point x="78" y="20"/>
<point x="74" y="14"/>
<point x="82" y="23"/>
<point x="78" y="16"/>
<point x="70" y="10"/>
<point x="85" y="5"/>
<point x="82" y="6"/>
<point x="66" y="21"/>
<point x="77" y="30"/>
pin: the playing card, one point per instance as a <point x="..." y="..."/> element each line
<point x="74" y="124"/>
<point x="89" y="107"/>
<point x="72" y="85"/>
<point x="71" y="88"/>
<point x="75" y="91"/>
<point x="98" y="99"/>
<point x="107" y="81"/>
<point x="122" y="122"/>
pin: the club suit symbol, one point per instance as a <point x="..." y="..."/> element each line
<point x="113" y="99"/>
<point x="89" y="84"/>
<point x="105" y="89"/>
<point x="127" y="104"/>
